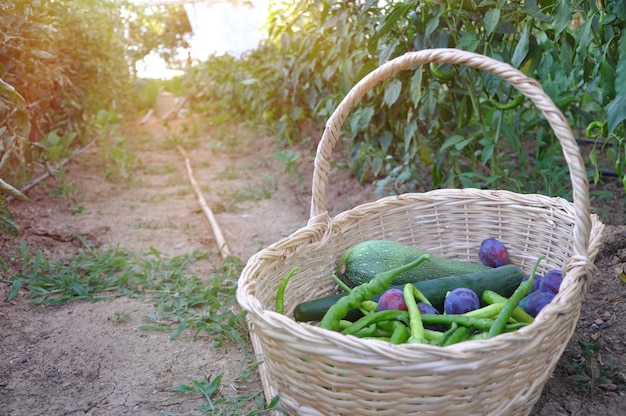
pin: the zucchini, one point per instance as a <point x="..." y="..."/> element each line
<point x="361" y="262"/>
<point x="502" y="280"/>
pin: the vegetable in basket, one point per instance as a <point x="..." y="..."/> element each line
<point x="353" y="300"/>
<point x="361" y="262"/>
<point x="502" y="280"/>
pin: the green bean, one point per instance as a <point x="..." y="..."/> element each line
<point x="488" y="311"/>
<point x="430" y="335"/>
<point x="368" y="331"/>
<point x="376" y="332"/>
<point x="415" y="320"/>
<point x="280" y="293"/>
<point x="400" y="333"/>
<point x="461" y="320"/>
<point x="479" y="336"/>
<point x="459" y="334"/>
<point x="445" y="335"/>
<point x="512" y="302"/>
<point x="519" y="314"/>
<point x="374" y="318"/>
<point x="508" y="328"/>
<point x="365" y="291"/>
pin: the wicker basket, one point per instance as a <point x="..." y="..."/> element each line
<point x="320" y="372"/>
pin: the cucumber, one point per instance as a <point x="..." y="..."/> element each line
<point x="502" y="280"/>
<point x="361" y="262"/>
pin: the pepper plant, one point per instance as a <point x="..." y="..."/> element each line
<point x="437" y="126"/>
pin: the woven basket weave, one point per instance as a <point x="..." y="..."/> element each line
<point x="320" y="372"/>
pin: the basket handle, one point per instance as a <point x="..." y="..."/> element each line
<point x="524" y="84"/>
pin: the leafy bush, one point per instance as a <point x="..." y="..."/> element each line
<point x="463" y="127"/>
<point x="66" y="60"/>
<point x="64" y="63"/>
<point x="312" y="56"/>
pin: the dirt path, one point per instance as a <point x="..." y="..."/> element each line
<point x="91" y="358"/>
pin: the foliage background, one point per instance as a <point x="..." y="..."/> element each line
<point x="460" y="127"/>
<point x="67" y="72"/>
<point x="62" y="63"/>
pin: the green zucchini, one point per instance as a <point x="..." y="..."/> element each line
<point x="361" y="262"/>
<point x="502" y="280"/>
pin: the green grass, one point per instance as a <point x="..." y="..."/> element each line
<point x="254" y="193"/>
<point x="160" y="169"/>
<point x="231" y="173"/>
<point x="220" y="405"/>
<point x="90" y="275"/>
<point x="182" y="300"/>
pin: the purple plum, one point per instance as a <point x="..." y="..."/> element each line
<point x="392" y="299"/>
<point x="461" y="300"/>
<point x="534" y="302"/>
<point x="551" y="282"/>
<point x="493" y="253"/>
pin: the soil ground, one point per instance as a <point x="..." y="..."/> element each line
<point x="80" y="359"/>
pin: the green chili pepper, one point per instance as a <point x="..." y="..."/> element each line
<point x="367" y="306"/>
<point x="415" y="320"/>
<point x="601" y="127"/>
<point x="363" y="292"/>
<point x="280" y="293"/>
<point x="511" y="303"/>
<point x="341" y="284"/>
<point x="344" y="323"/>
<point x="442" y="75"/>
<point x="507" y="106"/>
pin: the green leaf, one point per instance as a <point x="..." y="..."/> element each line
<point x="366" y="118"/>
<point x="15" y="289"/>
<point x="616" y="112"/>
<point x="486" y="153"/>
<point x="468" y="42"/>
<point x="8" y="189"/>
<point x="8" y="225"/>
<point x="183" y="388"/>
<point x="392" y="92"/>
<point x="491" y="19"/>
<point x="385" y="140"/>
<point x="416" y="86"/>
<point x="583" y="39"/>
<point x="389" y="23"/>
<point x="521" y="50"/>
<point x="452" y="141"/>
<point x="409" y="133"/>
<point x="562" y="16"/>
<point x="620" y="70"/>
